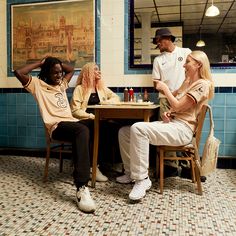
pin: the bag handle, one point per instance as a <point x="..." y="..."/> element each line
<point x="211" y="121"/>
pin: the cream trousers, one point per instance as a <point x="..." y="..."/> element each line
<point x="134" y="143"/>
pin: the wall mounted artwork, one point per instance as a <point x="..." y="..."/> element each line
<point x="63" y="29"/>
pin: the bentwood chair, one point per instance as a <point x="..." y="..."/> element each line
<point x="57" y="146"/>
<point x="189" y="152"/>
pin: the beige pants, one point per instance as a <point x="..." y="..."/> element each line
<point x="134" y="143"/>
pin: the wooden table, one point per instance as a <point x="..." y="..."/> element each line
<point x="119" y="111"/>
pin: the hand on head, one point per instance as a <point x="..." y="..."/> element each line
<point x="44" y="58"/>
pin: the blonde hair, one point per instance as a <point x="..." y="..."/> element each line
<point x="204" y="70"/>
<point x="86" y="78"/>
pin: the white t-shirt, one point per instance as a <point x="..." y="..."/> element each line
<point x="168" y="67"/>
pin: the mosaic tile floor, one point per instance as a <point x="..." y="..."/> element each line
<point x="30" y="207"/>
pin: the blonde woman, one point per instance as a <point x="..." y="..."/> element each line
<point x="177" y="127"/>
<point x="91" y="90"/>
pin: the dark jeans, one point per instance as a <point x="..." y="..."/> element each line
<point x="78" y="134"/>
<point x="108" y="137"/>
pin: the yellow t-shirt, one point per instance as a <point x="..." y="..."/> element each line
<point x="53" y="102"/>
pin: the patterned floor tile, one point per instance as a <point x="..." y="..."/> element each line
<point x="28" y="206"/>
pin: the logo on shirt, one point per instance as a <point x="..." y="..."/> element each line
<point x="61" y="102"/>
<point x="180" y="58"/>
<point x="199" y="90"/>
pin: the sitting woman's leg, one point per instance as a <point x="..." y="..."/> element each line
<point x="90" y="124"/>
<point x="156" y="133"/>
<point x="135" y="150"/>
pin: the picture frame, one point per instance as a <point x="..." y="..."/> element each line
<point x="43" y="29"/>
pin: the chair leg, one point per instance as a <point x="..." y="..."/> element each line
<point x="193" y="170"/>
<point x="197" y="171"/>
<point x="161" y="170"/>
<point x="157" y="166"/>
<point x="199" y="185"/>
<point x="46" y="163"/>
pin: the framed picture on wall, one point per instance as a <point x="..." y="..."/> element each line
<point x="62" y="29"/>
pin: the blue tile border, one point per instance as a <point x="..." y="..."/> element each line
<point x="119" y="90"/>
<point x="226" y="90"/>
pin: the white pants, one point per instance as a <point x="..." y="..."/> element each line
<point x="134" y="143"/>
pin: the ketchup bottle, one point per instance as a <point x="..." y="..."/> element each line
<point x="131" y="95"/>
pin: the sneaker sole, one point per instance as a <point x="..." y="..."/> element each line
<point x="99" y="180"/>
<point x="87" y="211"/>
<point x="138" y="199"/>
<point x="125" y="182"/>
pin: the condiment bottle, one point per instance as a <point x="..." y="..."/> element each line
<point x="140" y="98"/>
<point x="131" y="95"/>
<point x="145" y="96"/>
<point x="126" y="95"/>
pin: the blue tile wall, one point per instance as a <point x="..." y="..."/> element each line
<point x="21" y="124"/>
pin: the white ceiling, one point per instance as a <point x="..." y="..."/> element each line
<point x="191" y="13"/>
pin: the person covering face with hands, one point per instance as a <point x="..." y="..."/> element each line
<point x="177" y="127"/>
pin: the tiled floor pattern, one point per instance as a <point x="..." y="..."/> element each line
<point x="30" y="207"/>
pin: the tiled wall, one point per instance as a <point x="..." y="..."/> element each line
<point x="21" y="125"/>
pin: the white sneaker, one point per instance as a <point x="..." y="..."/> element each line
<point x="84" y="200"/>
<point x="99" y="176"/>
<point x="140" y="188"/>
<point x="124" y="179"/>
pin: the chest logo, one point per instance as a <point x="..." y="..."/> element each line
<point x="61" y="102"/>
<point x="180" y="58"/>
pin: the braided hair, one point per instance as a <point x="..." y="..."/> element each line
<point x="46" y="68"/>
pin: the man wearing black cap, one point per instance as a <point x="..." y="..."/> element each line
<point x="168" y="67"/>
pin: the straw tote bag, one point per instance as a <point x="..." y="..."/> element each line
<point x="210" y="150"/>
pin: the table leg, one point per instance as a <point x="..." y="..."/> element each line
<point x="95" y="146"/>
<point x="146" y="116"/>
